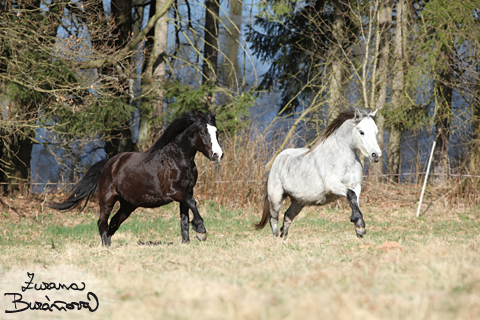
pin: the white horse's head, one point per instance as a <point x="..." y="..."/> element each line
<point x="365" y="135"/>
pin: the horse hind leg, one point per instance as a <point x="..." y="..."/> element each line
<point x="106" y="206"/>
<point x="122" y="214"/>
<point x="275" y="202"/>
<point x="290" y="214"/>
<point x="184" y="222"/>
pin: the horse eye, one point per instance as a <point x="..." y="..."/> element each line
<point x="362" y="133"/>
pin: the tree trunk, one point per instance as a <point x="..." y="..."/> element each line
<point x="443" y="114"/>
<point x="16" y="153"/>
<point x="474" y="161"/>
<point x="153" y="80"/>
<point x="393" y="164"/>
<point x="159" y="71"/>
<point x="384" y="22"/>
<point x="232" y="67"/>
<point x="139" y="12"/>
<point x="121" y="139"/>
<point x="122" y="14"/>
<point x="335" y="100"/>
<point x="16" y="143"/>
<point x="210" y="50"/>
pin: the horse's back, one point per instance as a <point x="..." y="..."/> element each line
<point x="123" y="165"/>
<point x="289" y="155"/>
<point x="286" y="159"/>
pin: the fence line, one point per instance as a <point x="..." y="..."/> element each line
<point x="422" y="173"/>
<point x="252" y="181"/>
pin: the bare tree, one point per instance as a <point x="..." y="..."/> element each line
<point x="65" y="67"/>
<point x="393" y="166"/>
<point x="210" y="49"/>
<point x="336" y="99"/>
<point x="153" y="80"/>
<point x="379" y="98"/>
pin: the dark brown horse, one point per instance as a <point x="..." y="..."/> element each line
<point x="164" y="173"/>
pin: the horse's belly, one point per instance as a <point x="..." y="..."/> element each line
<point x="312" y="194"/>
<point x="155" y="203"/>
<point x="327" y="198"/>
<point x="141" y="197"/>
<point x="306" y="191"/>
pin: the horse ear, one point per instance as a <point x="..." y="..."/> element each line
<point x="373" y="114"/>
<point x="196" y="114"/>
<point x="357" y="116"/>
<point x="214" y="112"/>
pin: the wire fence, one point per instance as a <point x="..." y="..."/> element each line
<point x="252" y="181"/>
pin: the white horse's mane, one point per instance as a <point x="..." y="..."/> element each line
<point x="338" y="121"/>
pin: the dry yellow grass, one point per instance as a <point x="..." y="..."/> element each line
<point x="404" y="268"/>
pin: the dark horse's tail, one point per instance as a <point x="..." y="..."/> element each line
<point x="266" y="213"/>
<point x="87" y="186"/>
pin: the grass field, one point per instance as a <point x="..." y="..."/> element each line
<point x="404" y="268"/>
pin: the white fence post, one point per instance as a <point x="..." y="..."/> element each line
<point x="426" y="178"/>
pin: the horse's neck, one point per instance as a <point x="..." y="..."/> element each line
<point x="339" y="141"/>
<point x="184" y="144"/>
<point x="180" y="146"/>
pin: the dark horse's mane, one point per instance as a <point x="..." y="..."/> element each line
<point x="337" y="123"/>
<point x="175" y="128"/>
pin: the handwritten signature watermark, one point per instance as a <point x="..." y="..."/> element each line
<point x="19" y="305"/>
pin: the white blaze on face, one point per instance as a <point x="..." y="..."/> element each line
<point x="213" y="136"/>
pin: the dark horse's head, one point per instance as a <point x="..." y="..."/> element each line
<point x="206" y="135"/>
<point x="202" y="130"/>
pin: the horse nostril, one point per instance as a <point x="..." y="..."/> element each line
<point x="216" y="157"/>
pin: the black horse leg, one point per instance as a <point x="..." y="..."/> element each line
<point x="122" y="214"/>
<point x="197" y="221"/>
<point x="184" y="222"/>
<point x="356" y="217"/>
<point x="106" y="207"/>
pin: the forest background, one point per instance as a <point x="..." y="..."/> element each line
<point x="89" y="79"/>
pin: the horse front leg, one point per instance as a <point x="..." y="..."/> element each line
<point x="197" y="221"/>
<point x="356" y="217"/>
<point x="184" y="222"/>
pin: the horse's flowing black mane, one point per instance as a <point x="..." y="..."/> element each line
<point x="176" y="127"/>
<point x="337" y="123"/>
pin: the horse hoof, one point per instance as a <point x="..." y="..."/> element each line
<point x="360" y="232"/>
<point x="202" y="236"/>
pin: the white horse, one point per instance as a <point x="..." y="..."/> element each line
<point x="323" y="173"/>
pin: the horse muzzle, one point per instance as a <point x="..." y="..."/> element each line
<point x="375" y="156"/>
<point x="216" y="158"/>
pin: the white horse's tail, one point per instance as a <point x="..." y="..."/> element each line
<point x="266" y="213"/>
